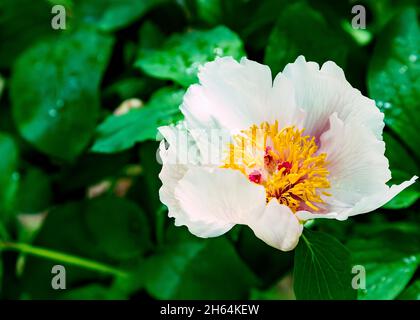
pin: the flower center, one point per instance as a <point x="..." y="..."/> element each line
<point x="284" y="161"/>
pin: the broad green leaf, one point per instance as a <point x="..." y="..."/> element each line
<point x="290" y="38"/>
<point x="121" y="132"/>
<point x="64" y="230"/>
<point x="383" y="11"/>
<point x="403" y="200"/>
<point x="256" y="32"/>
<point x="150" y="36"/>
<point x="370" y="229"/>
<point x="8" y="175"/>
<point x="403" y="167"/>
<point x="385" y="281"/>
<point x="394" y="77"/>
<point x="108" y="230"/>
<point x="34" y="194"/>
<point x="57" y="112"/>
<point x="119" y="227"/>
<point x="22" y="24"/>
<point x="182" y="54"/>
<point x="412" y="292"/>
<point x="111" y="15"/>
<point x="399" y="158"/>
<point x="390" y="260"/>
<point x="124" y="287"/>
<point x="210" y="11"/>
<point x="197" y="269"/>
<point x="322" y="268"/>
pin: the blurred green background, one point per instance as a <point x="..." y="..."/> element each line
<point x="79" y="180"/>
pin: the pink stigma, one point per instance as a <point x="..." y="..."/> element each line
<point x="255" y="176"/>
<point x="286" y="165"/>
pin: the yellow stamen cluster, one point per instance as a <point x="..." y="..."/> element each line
<point x="284" y="162"/>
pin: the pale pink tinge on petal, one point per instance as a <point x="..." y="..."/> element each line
<point x="320" y="92"/>
<point x="277" y="226"/>
<point x="212" y="201"/>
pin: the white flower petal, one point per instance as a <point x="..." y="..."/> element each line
<point x="283" y="104"/>
<point x="277" y="226"/>
<point x="377" y="200"/>
<point x="358" y="172"/>
<point x="212" y="201"/>
<point x="231" y="95"/>
<point x="182" y="148"/>
<point x="321" y="92"/>
<point x="180" y="154"/>
<point x="366" y="204"/>
<point x="356" y="162"/>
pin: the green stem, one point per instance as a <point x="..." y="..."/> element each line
<point x="61" y="257"/>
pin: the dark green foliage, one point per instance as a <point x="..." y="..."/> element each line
<point x="79" y="182"/>
<point x="322" y="268"/>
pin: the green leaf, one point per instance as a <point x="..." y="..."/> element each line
<point x="182" y="54"/>
<point x="150" y="36"/>
<point x="57" y="112"/>
<point x="403" y="200"/>
<point x="121" y="132"/>
<point x="403" y="167"/>
<point x="119" y="227"/>
<point x="111" y="15"/>
<point x="197" y="269"/>
<point x="394" y="77"/>
<point x="107" y="230"/>
<point x="290" y="38"/>
<point x="210" y="11"/>
<point x="390" y="260"/>
<point x="109" y="227"/>
<point x="322" y="268"/>
<point x="399" y="158"/>
<point x="21" y="25"/>
<point x="412" y="292"/>
<point x="8" y="175"/>
<point x="34" y="194"/>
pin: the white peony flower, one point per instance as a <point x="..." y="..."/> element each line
<point x="272" y="155"/>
